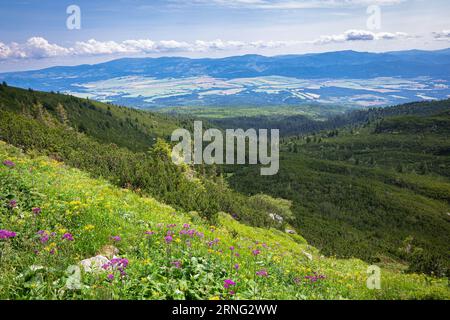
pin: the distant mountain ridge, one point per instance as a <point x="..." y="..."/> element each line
<point x="273" y="80"/>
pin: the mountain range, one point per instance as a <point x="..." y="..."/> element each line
<point x="347" y="78"/>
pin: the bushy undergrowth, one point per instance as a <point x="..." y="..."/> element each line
<point x="56" y="216"/>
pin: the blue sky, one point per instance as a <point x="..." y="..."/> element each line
<point x="33" y="34"/>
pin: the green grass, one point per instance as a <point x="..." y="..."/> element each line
<point x="93" y="211"/>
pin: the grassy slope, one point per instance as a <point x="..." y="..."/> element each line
<point x="93" y="211"/>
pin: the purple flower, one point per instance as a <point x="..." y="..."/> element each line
<point x="149" y="233"/>
<point x="12" y="203"/>
<point x="9" y="163"/>
<point x="232" y="248"/>
<point x="111" y="277"/>
<point x="116" y="238"/>
<point x="228" y="283"/>
<point x="45" y="236"/>
<point x="68" y="237"/>
<point x="262" y="273"/>
<point x="256" y="252"/>
<point x="236" y="266"/>
<point x="6" y="234"/>
<point x="36" y="210"/>
<point x="177" y="264"/>
<point x="315" y="277"/>
<point x="168" y="239"/>
<point x="117" y="264"/>
<point x="186" y="226"/>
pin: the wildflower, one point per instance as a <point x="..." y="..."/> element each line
<point x="168" y="239"/>
<point x="262" y="273"/>
<point x="45" y="236"/>
<point x="116" y="238"/>
<point x="186" y="226"/>
<point x="36" y="210"/>
<point x="6" y="234"/>
<point x="232" y="248"/>
<point x="9" y="163"/>
<point x="177" y="264"/>
<point x="111" y="277"/>
<point x="13" y="203"/>
<point x="89" y="227"/>
<point x="256" y="252"/>
<point x="200" y="234"/>
<point x="236" y="266"/>
<point x="68" y="237"/>
<point x="315" y="277"/>
<point x="228" y="283"/>
<point x="149" y="233"/>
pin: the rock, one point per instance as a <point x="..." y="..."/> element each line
<point x="275" y="217"/>
<point x="291" y="231"/>
<point x="94" y="264"/>
<point x="308" y="255"/>
<point x="36" y="267"/>
<point x="109" y="251"/>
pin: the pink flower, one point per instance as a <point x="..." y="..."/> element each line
<point x="256" y="252"/>
<point x="116" y="238"/>
<point x="262" y="273"/>
<point x="12" y="203"/>
<point x="68" y="237"/>
<point x="228" y="283"/>
<point x="37" y="210"/>
<point x="168" y="239"/>
<point x="9" y="163"/>
<point x="177" y="264"/>
<point x="6" y="234"/>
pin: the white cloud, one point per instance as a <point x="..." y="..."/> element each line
<point x="360" y="35"/>
<point x="35" y="47"/>
<point x="443" y="35"/>
<point x="38" y="47"/>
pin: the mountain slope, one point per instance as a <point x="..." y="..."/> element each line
<point x="370" y="191"/>
<point x="60" y="216"/>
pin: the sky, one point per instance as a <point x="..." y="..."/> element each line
<point x="43" y="33"/>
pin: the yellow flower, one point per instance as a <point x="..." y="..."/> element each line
<point x="214" y="298"/>
<point x="89" y="227"/>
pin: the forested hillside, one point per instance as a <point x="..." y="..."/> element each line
<point x="379" y="191"/>
<point x="114" y="143"/>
